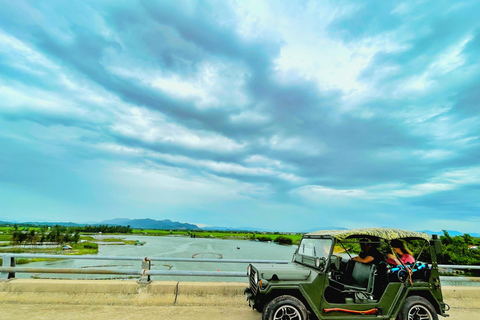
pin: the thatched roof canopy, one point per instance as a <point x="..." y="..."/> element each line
<point x="382" y="233"/>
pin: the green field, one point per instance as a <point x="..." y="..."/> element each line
<point x="5" y="237"/>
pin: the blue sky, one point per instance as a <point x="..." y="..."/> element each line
<point x="271" y="114"/>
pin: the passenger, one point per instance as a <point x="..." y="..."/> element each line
<point x="369" y="253"/>
<point x="402" y="254"/>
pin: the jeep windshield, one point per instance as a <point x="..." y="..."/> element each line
<point x="315" y="248"/>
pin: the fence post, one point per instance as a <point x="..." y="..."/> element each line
<point x="146" y="265"/>
<point x="8" y="261"/>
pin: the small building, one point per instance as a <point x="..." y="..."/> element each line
<point x="67" y="247"/>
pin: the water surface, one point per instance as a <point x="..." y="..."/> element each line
<point x="174" y="247"/>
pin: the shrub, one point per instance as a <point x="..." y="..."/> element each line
<point x="263" y="238"/>
<point x="89" y="245"/>
<point x="284" y="240"/>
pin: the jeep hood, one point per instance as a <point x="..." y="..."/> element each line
<point x="291" y="271"/>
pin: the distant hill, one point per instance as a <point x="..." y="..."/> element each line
<point x="66" y="224"/>
<point x="323" y="228"/>
<point x="151" y="224"/>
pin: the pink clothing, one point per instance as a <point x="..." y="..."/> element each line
<point x="406" y="258"/>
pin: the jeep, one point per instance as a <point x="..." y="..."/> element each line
<point x="323" y="281"/>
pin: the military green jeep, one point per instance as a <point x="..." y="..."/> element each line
<point x="324" y="281"/>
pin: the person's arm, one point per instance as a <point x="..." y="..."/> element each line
<point x="367" y="259"/>
<point x="393" y="260"/>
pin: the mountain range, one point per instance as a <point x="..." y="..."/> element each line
<point x="151" y="224"/>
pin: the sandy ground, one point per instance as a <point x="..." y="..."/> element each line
<point x="100" y="312"/>
<point x="74" y="312"/>
<point x="127" y="300"/>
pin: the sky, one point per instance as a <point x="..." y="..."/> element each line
<point x="280" y="115"/>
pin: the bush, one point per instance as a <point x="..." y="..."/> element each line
<point x="89" y="245"/>
<point x="264" y="238"/>
<point x="284" y="240"/>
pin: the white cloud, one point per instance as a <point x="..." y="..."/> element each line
<point x="249" y="117"/>
<point x="216" y="84"/>
<point x="21" y="99"/>
<point x="211" y="166"/>
<point x="22" y="55"/>
<point x="313" y="192"/>
<point x="449" y="180"/>
<point x="152" y="128"/>
<point x="451" y="58"/>
<point x="436" y="154"/>
<point x="303" y="145"/>
<point x="257" y="159"/>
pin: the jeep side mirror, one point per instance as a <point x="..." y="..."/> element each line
<point x="436" y="243"/>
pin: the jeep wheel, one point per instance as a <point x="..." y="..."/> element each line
<point x="417" y="308"/>
<point x="285" y="308"/>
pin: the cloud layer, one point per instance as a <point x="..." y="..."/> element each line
<point x="282" y="116"/>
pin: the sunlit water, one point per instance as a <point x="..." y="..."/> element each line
<point x="175" y="247"/>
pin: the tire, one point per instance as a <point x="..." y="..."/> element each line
<point x="417" y="308"/>
<point x="285" y="308"/>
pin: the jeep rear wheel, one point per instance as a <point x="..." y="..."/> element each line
<point x="285" y="308"/>
<point x="417" y="308"/>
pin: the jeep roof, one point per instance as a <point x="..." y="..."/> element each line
<point x="383" y="233"/>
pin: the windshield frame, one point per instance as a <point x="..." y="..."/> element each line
<point x="311" y="260"/>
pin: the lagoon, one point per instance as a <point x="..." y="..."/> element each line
<point x="174" y="247"/>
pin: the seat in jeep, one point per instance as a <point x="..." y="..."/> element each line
<point x="358" y="277"/>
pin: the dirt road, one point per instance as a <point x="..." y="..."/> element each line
<point x="98" y="300"/>
<point x="100" y="312"/>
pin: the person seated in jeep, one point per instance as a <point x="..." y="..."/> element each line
<point x="402" y="255"/>
<point x="369" y="253"/>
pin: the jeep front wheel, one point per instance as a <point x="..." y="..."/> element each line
<point x="417" y="308"/>
<point x="285" y="308"/>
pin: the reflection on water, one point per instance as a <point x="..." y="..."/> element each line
<point x="175" y="247"/>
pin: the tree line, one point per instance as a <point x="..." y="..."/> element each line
<point x="461" y="250"/>
<point x="60" y="234"/>
<point x="56" y="234"/>
<point x="105" y="229"/>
